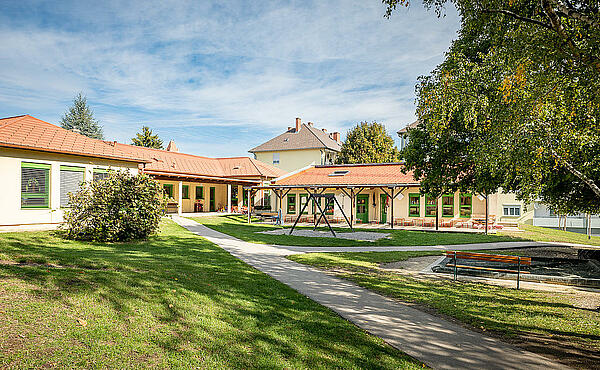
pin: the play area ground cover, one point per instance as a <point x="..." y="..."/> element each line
<point x="175" y="300"/>
<point x="238" y="227"/>
<point x="563" y="325"/>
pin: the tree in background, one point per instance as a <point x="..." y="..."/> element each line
<point x="368" y="143"/>
<point x="520" y="90"/>
<point x="81" y="117"/>
<point x="147" y="139"/>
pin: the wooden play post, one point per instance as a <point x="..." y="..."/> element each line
<point x="249" y="205"/>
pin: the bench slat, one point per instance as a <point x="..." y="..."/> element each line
<point x="490" y="257"/>
<point x="486" y="268"/>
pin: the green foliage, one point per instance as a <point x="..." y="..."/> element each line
<point x="81" y="117"/>
<point x="517" y="100"/>
<point x="120" y="207"/>
<point x="368" y="143"/>
<point x="147" y="139"/>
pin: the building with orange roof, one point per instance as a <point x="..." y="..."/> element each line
<point x="42" y="163"/>
<point x="376" y="193"/>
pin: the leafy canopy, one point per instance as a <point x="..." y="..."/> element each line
<point x="368" y="143"/>
<point x="119" y="207"/>
<point x="81" y="117"/>
<point x="517" y="101"/>
<point x="147" y="139"/>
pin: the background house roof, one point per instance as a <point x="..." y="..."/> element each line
<point x="308" y="137"/>
<point x="405" y="129"/>
<point x="27" y="132"/>
<point x="373" y="174"/>
<point x="182" y="163"/>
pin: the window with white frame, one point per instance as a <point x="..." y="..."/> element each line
<point x="511" y="210"/>
<point x="275" y="158"/>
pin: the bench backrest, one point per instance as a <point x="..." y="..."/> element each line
<point x="490" y="257"/>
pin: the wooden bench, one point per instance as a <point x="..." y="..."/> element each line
<point x="514" y="260"/>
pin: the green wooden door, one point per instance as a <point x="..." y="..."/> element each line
<point x="383" y="206"/>
<point x="211" y="203"/>
<point x="362" y="208"/>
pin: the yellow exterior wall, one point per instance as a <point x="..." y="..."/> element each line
<point x="400" y="205"/>
<point x="291" y="160"/>
<point x="500" y="199"/>
<point x="10" y="186"/>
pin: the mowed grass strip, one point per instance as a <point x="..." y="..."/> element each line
<point x="544" y="234"/>
<point x="541" y="321"/>
<point x="175" y="300"/>
<point x="238" y="227"/>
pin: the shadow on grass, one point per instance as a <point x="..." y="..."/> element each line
<point x="192" y="298"/>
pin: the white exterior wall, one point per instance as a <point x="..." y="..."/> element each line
<point x="11" y="212"/>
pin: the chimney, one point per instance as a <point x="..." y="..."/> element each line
<point x="324" y="130"/>
<point x="310" y="124"/>
<point x="298" y="124"/>
<point x="336" y="136"/>
<point x="172" y="147"/>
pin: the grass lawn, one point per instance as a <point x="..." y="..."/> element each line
<point x="544" y="234"/>
<point x="175" y="300"/>
<point x="238" y="227"/>
<point x="545" y="322"/>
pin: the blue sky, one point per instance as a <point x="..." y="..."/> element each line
<point x="218" y="77"/>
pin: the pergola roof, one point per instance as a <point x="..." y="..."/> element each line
<point x="350" y="175"/>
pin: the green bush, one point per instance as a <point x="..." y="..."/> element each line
<point x="120" y="207"/>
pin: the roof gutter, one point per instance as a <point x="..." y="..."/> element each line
<point x="81" y="154"/>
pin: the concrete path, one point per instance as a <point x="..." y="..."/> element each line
<point x="461" y="247"/>
<point x="434" y="341"/>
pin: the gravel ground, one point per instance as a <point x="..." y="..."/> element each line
<point x="357" y="235"/>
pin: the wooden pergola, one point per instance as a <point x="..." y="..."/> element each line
<point x="391" y="190"/>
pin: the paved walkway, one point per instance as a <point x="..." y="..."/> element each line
<point x="462" y="247"/>
<point x="434" y="341"/>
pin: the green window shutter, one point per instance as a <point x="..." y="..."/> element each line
<point x="71" y="179"/>
<point x="466" y="205"/>
<point x="35" y="185"/>
<point x="291" y="203"/>
<point x="414" y="205"/>
<point x="430" y="206"/>
<point x="168" y="190"/>
<point x="303" y="200"/>
<point x="185" y="190"/>
<point x="448" y="206"/>
<point x="199" y="192"/>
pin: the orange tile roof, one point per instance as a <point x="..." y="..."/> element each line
<point x="374" y="174"/>
<point x="27" y="132"/>
<point x="182" y="163"/>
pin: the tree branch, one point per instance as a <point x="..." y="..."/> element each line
<point x="571" y="12"/>
<point x="519" y="17"/>
<point x="576" y="172"/>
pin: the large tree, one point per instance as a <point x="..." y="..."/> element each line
<point x="522" y="82"/>
<point x="147" y="139"/>
<point x="368" y="143"/>
<point x="81" y="117"/>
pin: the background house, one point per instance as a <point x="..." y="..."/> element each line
<point x="298" y="147"/>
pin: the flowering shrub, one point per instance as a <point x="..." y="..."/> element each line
<point x="119" y="207"/>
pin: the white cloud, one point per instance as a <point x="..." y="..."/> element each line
<point x="198" y="64"/>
